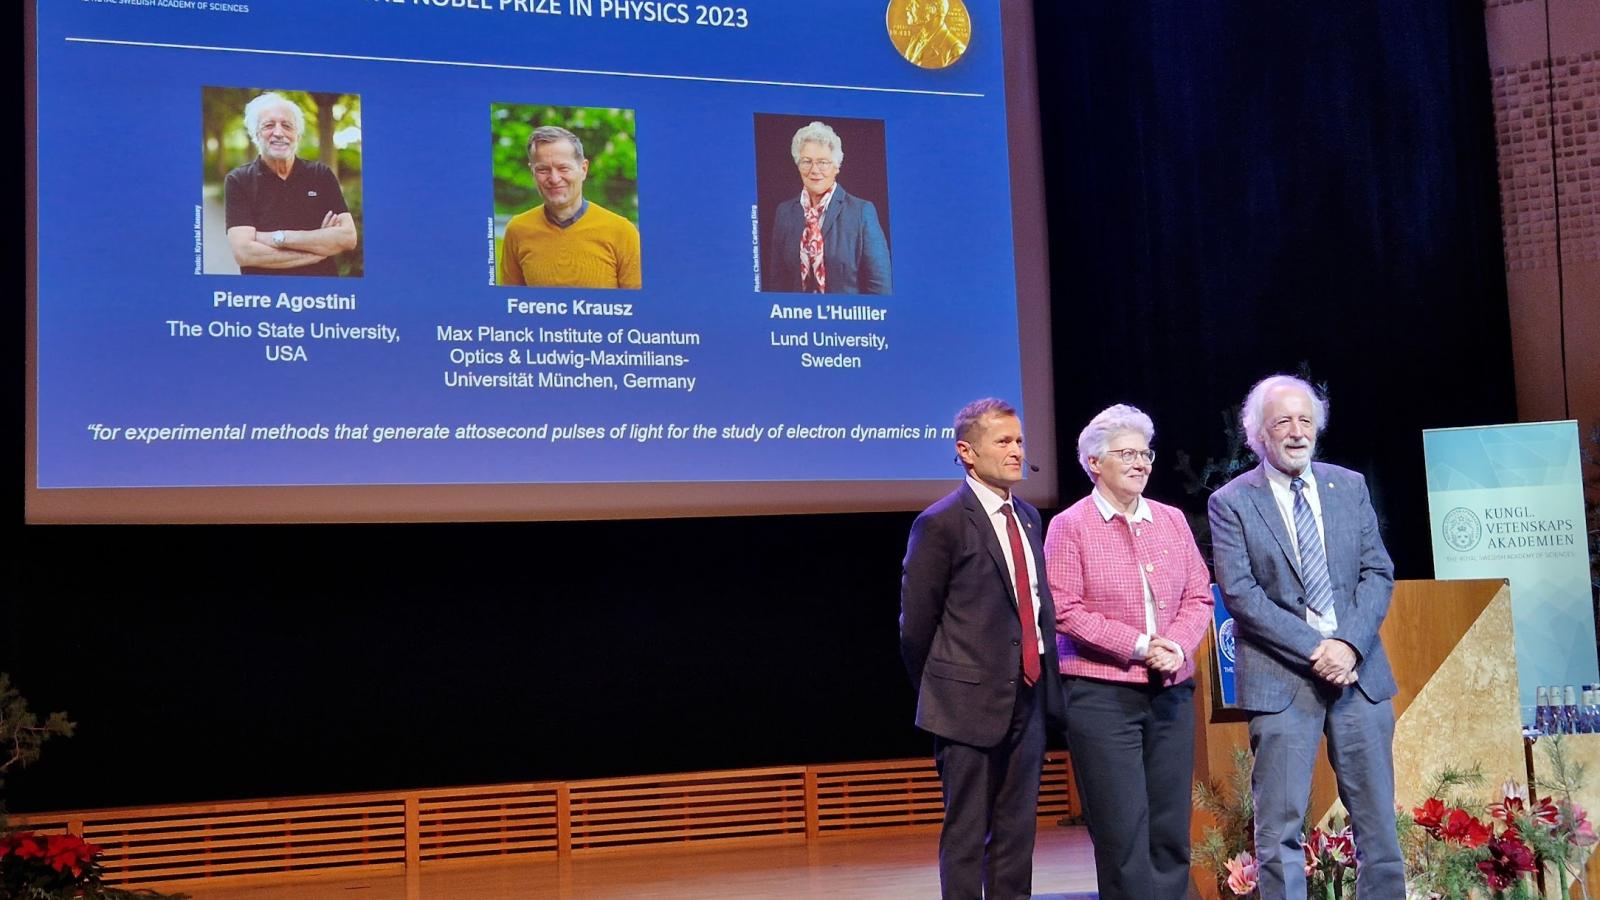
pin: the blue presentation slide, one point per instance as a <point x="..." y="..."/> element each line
<point x="305" y="242"/>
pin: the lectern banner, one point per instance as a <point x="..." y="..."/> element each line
<point x="1506" y="501"/>
<point x="1222" y="633"/>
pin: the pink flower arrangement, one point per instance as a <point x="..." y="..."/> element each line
<point x="1243" y="873"/>
<point x="1576" y="821"/>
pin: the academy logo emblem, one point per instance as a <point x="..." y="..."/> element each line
<point x="1461" y="529"/>
<point x="1225" y="640"/>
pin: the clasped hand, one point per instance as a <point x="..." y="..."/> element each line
<point x="1163" y="656"/>
<point x="1334" y="661"/>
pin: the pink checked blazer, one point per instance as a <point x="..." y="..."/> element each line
<point x="1093" y="566"/>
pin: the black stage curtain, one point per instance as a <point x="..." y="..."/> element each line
<point x="1242" y="188"/>
<point x="1235" y="188"/>
<point x="210" y="662"/>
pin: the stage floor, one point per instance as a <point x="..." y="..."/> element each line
<point x="872" y="867"/>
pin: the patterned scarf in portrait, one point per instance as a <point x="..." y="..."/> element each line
<point x="813" y="269"/>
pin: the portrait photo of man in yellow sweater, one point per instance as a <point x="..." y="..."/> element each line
<point x="568" y="240"/>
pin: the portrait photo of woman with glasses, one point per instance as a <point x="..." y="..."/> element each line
<point x="824" y="239"/>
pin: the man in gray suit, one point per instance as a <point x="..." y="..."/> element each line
<point x="1306" y="577"/>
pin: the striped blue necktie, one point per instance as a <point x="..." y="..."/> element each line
<point x="1313" y="562"/>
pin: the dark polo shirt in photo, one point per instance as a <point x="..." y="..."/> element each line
<point x="254" y="195"/>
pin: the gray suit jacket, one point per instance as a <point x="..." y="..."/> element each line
<point x="1260" y="580"/>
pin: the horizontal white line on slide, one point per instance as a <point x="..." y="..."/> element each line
<point x="484" y="65"/>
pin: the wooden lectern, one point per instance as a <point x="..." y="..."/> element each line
<point x="1450" y="645"/>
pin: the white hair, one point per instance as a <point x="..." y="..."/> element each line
<point x="1253" y="414"/>
<point x="252" y="115"/>
<point x="818" y="133"/>
<point x="1096" y="437"/>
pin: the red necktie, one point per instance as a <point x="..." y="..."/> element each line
<point x="1030" y="632"/>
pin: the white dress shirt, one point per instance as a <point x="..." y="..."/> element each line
<point x="992" y="505"/>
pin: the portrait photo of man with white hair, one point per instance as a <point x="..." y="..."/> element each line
<point x="285" y="214"/>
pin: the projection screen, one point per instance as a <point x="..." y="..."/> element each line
<point x="336" y="260"/>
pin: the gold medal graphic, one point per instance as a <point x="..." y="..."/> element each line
<point x="932" y="34"/>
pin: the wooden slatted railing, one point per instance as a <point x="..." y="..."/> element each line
<point x="473" y="823"/>
<point x="631" y="812"/>
<point x="289" y="837"/>
<point x="903" y="793"/>
<point x="295" y="838"/>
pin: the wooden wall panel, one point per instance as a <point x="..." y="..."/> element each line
<point x="266" y="841"/>
<point x="517" y="821"/>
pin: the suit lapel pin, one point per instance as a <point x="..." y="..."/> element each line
<point x="1330" y="485"/>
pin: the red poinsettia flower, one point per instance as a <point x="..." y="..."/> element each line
<point x="26" y="845"/>
<point x="1429" y="815"/>
<point x="1508" y="859"/>
<point x="68" y="852"/>
<point x="1459" y="827"/>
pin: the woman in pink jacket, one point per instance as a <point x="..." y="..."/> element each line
<point x="1133" y="599"/>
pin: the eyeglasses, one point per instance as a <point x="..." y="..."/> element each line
<point x="819" y="164"/>
<point x="1130" y="456"/>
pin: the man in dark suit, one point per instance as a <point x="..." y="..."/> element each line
<point x="826" y="240"/>
<point x="1305" y="575"/>
<point x="977" y="628"/>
